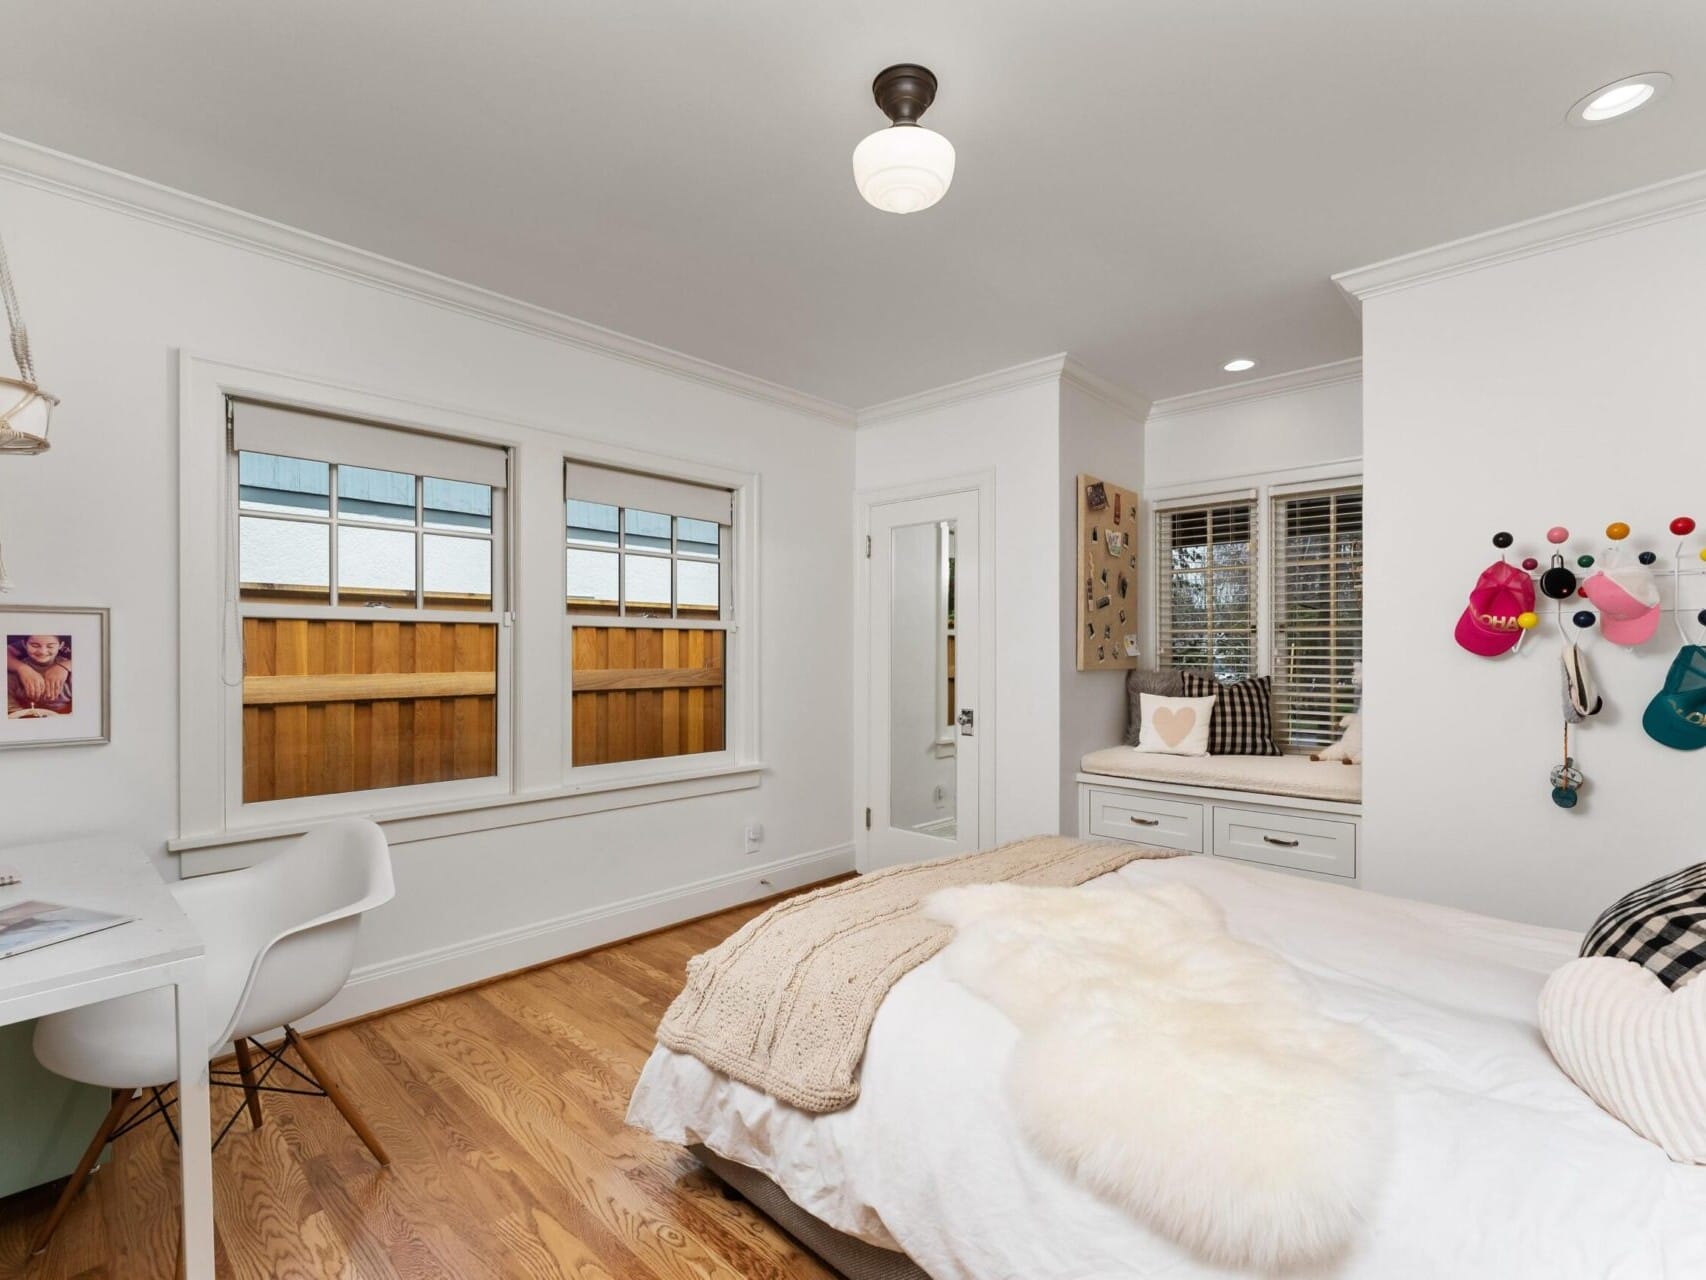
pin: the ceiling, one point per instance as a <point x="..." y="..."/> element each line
<point x="1153" y="185"/>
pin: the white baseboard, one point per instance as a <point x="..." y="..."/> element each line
<point x="387" y="983"/>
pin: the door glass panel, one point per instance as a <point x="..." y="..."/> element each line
<point x="922" y="764"/>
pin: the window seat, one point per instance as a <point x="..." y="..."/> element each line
<point x="1296" y="776"/>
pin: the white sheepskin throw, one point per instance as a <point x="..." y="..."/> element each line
<point x="1176" y="1071"/>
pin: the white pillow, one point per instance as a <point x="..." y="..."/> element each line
<point x="1175" y="726"/>
<point x="1634" y="1046"/>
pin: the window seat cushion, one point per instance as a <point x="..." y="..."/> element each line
<point x="1268" y="775"/>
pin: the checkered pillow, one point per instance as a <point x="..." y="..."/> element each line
<point x="1243" y="722"/>
<point x="1660" y="926"/>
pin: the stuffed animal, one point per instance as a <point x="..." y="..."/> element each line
<point x="1348" y="749"/>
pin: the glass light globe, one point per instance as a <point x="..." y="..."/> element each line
<point x="903" y="168"/>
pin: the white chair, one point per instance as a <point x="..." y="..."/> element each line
<point x="280" y="941"/>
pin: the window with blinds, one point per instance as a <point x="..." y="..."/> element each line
<point x="370" y="589"/>
<point x="1207" y="586"/>
<point x="1317" y="613"/>
<point x="651" y="614"/>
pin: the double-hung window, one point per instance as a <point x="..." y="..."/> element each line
<point x="649" y="599"/>
<point x="1317" y="612"/>
<point x="370" y="588"/>
<point x="1206" y="585"/>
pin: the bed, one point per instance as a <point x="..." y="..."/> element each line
<point x="1502" y="1167"/>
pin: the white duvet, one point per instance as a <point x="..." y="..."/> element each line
<point x="1501" y="1168"/>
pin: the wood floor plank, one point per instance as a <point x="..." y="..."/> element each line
<point x="503" y="1108"/>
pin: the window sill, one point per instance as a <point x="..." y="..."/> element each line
<point x="226" y="850"/>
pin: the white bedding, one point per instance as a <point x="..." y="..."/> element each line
<point x="1502" y="1168"/>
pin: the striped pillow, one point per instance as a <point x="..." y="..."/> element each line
<point x="1660" y="926"/>
<point x="1243" y="722"/>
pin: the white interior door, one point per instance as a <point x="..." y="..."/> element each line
<point x="924" y="731"/>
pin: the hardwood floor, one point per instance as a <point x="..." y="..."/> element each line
<point x="502" y="1108"/>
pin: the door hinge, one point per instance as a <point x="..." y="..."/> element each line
<point x="867" y="546"/>
<point x="867" y="819"/>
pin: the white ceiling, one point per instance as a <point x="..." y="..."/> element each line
<point x="1152" y="185"/>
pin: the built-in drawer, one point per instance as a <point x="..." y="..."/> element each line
<point x="1321" y="845"/>
<point x="1146" y="819"/>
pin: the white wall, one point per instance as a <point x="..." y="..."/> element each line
<point x="110" y="299"/>
<point x="1036" y="437"/>
<point x="1014" y="434"/>
<point x="1187" y="440"/>
<point x="1560" y="388"/>
<point x="1099" y="439"/>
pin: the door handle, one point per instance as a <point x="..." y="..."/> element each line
<point x="967" y="721"/>
<point x="1284" y="844"/>
<point x="1146" y="822"/>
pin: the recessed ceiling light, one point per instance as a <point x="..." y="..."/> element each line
<point x="1619" y="98"/>
<point x="1240" y="365"/>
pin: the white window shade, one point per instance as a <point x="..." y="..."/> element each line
<point x="1206" y="585"/>
<point x="638" y="492"/>
<point x="1317" y="613"/>
<point x="293" y="433"/>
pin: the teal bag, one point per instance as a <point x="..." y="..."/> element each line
<point x="1677" y="714"/>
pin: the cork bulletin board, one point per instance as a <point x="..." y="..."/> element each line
<point x="1107" y="576"/>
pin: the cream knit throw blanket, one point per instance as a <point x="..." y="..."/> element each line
<point x="785" y="1004"/>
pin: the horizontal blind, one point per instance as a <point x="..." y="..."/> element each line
<point x="636" y="491"/>
<point x="1317" y="613"/>
<point x="1206" y="575"/>
<point x="295" y="433"/>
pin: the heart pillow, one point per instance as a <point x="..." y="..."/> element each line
<point x="1635" y="1046"/>
<point x="1175" y="726"/>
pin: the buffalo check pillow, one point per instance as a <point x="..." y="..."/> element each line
<point x="1243" y="721"/>
<point x="1660" y="926"/>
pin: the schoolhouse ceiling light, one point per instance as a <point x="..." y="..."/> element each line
<point x="24" y="407"/>
<point x="905" y="167"/>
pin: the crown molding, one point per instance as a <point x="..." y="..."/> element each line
<point x="1047" y="369"/>
<point x="1116" y="397"/>
<point x="1056" y="368"/>
<point x="1660" y="202"/>
<point x="1277" y="384"/>
<point x="46" y="170"/>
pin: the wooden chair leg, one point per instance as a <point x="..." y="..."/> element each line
<point x="115" y="1116"/>
<point x="246" y="1069"/>
<point x="349" y="1113"/>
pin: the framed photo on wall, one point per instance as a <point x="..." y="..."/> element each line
<point x="56" y="676"/>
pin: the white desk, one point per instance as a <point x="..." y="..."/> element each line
<point x="157" y="949"/>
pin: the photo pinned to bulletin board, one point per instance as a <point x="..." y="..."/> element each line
<point x="1107" y="576"/>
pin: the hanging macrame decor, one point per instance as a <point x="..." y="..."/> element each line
<point x="24" y="407"/>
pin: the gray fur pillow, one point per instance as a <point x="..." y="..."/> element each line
<point x="1169" y="682"/>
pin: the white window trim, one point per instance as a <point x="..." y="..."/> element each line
<point x="1266" y="486"/>
<point x="534" y="781"/>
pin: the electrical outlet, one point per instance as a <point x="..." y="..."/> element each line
<point x="754" y="836"/>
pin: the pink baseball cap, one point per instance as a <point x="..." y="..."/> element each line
<point x="1628" y="602"/>
<point x="1489" y="625"/>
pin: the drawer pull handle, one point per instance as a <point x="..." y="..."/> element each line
<point x="1146" y="822"/>
<point x="1284" y="844"/>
